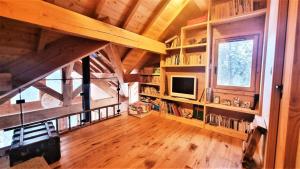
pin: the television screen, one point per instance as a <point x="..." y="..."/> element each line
<point x="184" y="87"/>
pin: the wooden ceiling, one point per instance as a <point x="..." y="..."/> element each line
<point x="155" y="19"/>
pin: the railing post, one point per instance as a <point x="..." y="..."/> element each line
<point x="118" y="89"/>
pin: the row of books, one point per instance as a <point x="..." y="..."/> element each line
<point x="174" y="109"/>
<point x="150" y="90"/>
<point x="191" y="59"/>
<point x="173" y="42"/>
<point x="150" y="70"/>
<point x="234" y="7"/>
<point x="150" y="79"/>
<point x="227" y="122"/>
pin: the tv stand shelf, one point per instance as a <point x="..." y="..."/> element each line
<point x="182" y="100"/>
<point x="232" y="108"/>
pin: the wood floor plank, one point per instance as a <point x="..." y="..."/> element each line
<point x="150" y="142"/>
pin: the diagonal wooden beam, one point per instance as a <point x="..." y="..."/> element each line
<point x="76" y="91"/>
<point x="93" y="63"/>
<point x="47" y="15"/>
<point x="115" y="59"/>
<point x="37" y="65"/>
<point x="100" y="83"/>
<point x="42" y="87"/>
<point x="103" y="64"/>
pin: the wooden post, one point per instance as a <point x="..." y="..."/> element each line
<point x="86" y="80"/>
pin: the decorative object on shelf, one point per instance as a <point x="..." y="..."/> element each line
<point x="192" y="41"/>
<point x="209" y="95"/>
<point x="236" y="102"/>
<point x="226" y="102"/>
<point x="203" y="40"/>
<point x="245" y="104"/>
<point x="198" y="112"/>
<point x="173" y="42"/>
<point x="217" y="99"/>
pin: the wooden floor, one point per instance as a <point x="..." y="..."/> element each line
<point x="151" y="142"/>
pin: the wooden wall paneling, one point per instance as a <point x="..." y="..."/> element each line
<point x="35" y="66"/>
<point x="199" y="73"/>
<point x="289" y="118"/>
<point x="273" y="75"/>
<point x="92" y="28"/>
<point x="86" y="7"/>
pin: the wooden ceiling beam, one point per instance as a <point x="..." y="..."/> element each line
<point x="37" y="65"/>
<point x="115" y="59"/>
<point x="98" y="82"/>
<point x="46" y="15"/>
<point x="130" y="13"/>
<point x="42" y="87"/>
<point x="99" y="67"/>
<point x="168" y="11"/>
<point x="105" y="64"/>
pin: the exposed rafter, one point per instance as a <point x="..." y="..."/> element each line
<point x="45" y="14"/>
<point x="37" y="65"/>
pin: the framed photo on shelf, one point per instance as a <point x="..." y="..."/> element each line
<point x="217" y="99"/>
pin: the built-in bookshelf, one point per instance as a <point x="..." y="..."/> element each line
<point x="191" y="53"/>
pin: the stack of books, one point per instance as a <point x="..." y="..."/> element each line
<point x="191" y="59"/>
<point x="150" y="90"/>
<point x="235" y="7"/>
<point x="227" y="122"/>
<point x="174" y="109"/>
<point x="173" y="42"/>
<point x="150" y="79"/>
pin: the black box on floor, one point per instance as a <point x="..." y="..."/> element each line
<point x="36" y="140"/>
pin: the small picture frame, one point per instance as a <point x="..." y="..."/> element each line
<point x="246" y="104"/>
<point x="226" y="102"/>
<point x="236" y="102"/>
<point x="217" y="99"/>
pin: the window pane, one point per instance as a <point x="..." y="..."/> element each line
<point x="31" y="94"/>
<point x="54" y="81"/>
<point x="234" y="63"/>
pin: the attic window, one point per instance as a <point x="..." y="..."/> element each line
<point x="236" y="62"/>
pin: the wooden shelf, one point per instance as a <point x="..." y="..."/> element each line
<point x="232" y="108"/>
<point x="150" y="95"/>
<point x="184" y="66"/>
<point x="174" y="48"/>
<point x="154" y="74"/>
<point x="193" y="122"/>
<point x="150" y="84"/>
<point x="182" y="100"/>
<point x="254" y="14"/>
<point x="194" y="46"/>
<point x="227" y="131"/>
<point x="195" y="26"/>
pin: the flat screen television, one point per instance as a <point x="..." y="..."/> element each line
<point x="184" y="86"/>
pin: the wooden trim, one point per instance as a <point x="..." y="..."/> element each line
<point x="287" y="148"/>
<point x="254" y="65"/>
<point x="279" y="47"/>
<point x="47" y="15"/>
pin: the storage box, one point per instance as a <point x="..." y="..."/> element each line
<point x="35" y="140"/>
